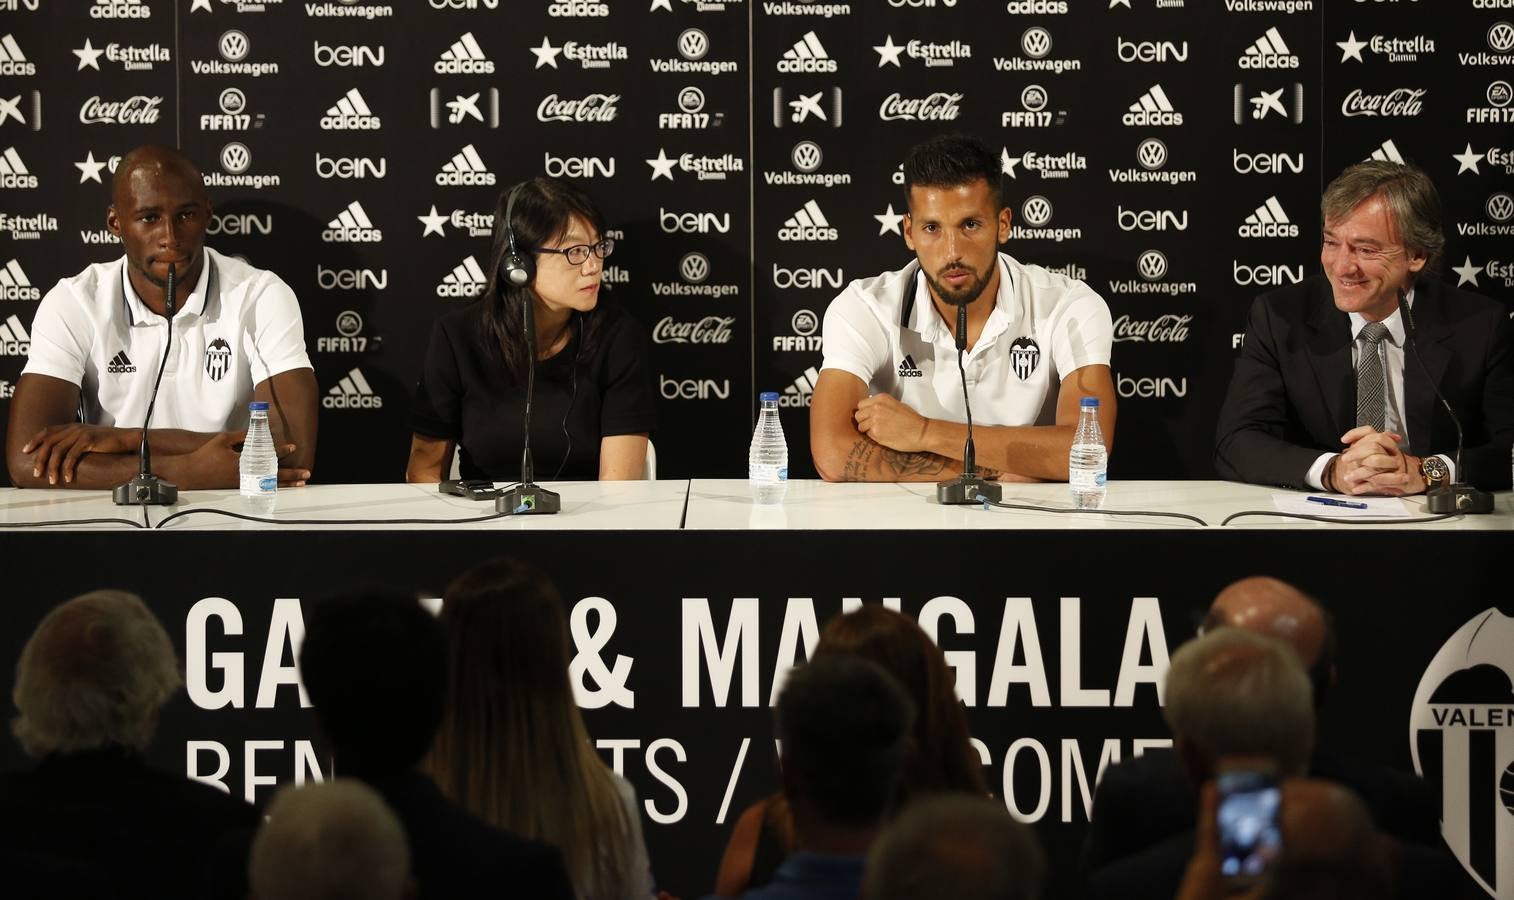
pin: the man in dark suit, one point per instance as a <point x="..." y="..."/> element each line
<point x="373" y="665"/>
<point x="1324" y="395"/>
<point x="93" y="819"/>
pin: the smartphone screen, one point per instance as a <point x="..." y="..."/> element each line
<point x="1248" y="816"/>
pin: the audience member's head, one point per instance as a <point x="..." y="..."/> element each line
<point x="330" y="841"/>
<point x="93" y="675"/>
<point x="845" y="727"/>
<point x="372" y="662"/>
<point x="1278" y="609"/>
<point x="963" y="846"/>
<point x="1232" y="692"/>
<point x="942" y="758"/>
<point x="512" y="747"/>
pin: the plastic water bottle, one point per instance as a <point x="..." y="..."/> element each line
<point x="768" y="459"/>
<point x="1088" y="461"/>
<point x="260" y="463"/>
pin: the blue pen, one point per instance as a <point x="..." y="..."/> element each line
<point x="1331" y="501"/>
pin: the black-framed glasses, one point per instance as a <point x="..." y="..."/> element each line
<point x="578" y="254"/>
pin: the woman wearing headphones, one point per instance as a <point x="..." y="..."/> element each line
<point x="593" y="401"/>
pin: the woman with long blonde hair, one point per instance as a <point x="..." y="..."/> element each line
<point x="512" y="747"/>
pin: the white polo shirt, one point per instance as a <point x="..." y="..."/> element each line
<point x="1043" y="326"/>
<point x="240" y="326"/>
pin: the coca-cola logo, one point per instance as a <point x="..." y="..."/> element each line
<point x="138" y="110"/>
<point x="709" y="330"/>
<point x="1402" y="102"/>
<point x="1164" y="329"/>
<point x="593" y="108"/>
<point x="938" y="107"/>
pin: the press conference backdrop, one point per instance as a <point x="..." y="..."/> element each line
<point x="747" y="152"/>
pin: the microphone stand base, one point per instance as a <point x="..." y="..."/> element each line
<point x="528" y="499"/>
<point x="146" y="490"/>
<point x="965" y="490"/>
<point x="1459" y="498"/>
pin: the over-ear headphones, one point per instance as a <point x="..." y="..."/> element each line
<point x="514" y="269"/>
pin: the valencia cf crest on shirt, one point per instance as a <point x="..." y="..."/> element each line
<point x="1024" y="356"/>
<point x="217" y="359"/>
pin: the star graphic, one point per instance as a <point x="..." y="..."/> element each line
<point x="661" y="4"/>
<point x="89" y="170"/>
<point x="1468" y="160"/>
<point x="199" y="5"/>
<point x="1114" y="3"/>
<point x="433" y="223"/>
<point x="89" y="56"/>
<point x="546" y="54"/>
<point x="1467" y="273"/>
<point x="889" y="221"/>
<point x="1351" y="48"/>
<point x="1007" y="163"/>
<point x="662" y="166"/>
<point x="888" y="54"/>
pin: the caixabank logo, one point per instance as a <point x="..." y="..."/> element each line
<point x="1461" y="739"/>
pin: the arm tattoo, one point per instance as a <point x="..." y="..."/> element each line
<point x="857" y="460"/>
<point x="913" y="463"/>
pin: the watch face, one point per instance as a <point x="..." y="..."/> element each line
<point x="1434" y="468"/>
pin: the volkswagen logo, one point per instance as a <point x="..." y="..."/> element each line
<point x="804" y="322"/>
<point x="1033" y="98"/>
<point x="694" y="267"/>
<point x="349" y="323"/>
<point x="233" y="101"/>
<point x="1499" y="93"/>
<point x="806" y="156"/>
<point x="235" y="157"/>
<point x="1500" y="207"/>
<point x="234" y="46"/>
<point x="1501" y="37"/>
<point x="1036" y="212"/>
<point x="1152" y="265"/>
<point x="691" y="99"/>
<point x="693" y="44"/>
<point x="1152" y="154"/>
<point x="1036" y="42"/>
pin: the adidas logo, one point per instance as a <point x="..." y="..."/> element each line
<point x="14" y="341"/>
<point x="14" y="285"/>
<point x="808" y="224"/>
<point x="807" y="55"/>
<point x="13" y="173"/>
<point x="1152" y="109"/>
<point x="352" y="392"/>
<point x="120" y="364"/>
<point x="1269" y="52"/>
<point x="12" y="60"/>
<point x="465" y="280"/>
<point x="1388" y="152"/>
<point x="908" y="369"/>
<point x="1269" y="220"/>
<point x="464" y="57"/>
<point x="800" y="392"/>
<point x="120" y="9"/>
<point x="466" y="168"/>
<point x="351" y="113"/>
<point x="352" y="226"/>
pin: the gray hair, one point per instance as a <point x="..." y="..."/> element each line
<point x="955" y="845"/>
<point x="1412" y="200"/>
<point x="330" y="840"/>
<point x="1233" y="691"/>
<point x="94" y="674"/>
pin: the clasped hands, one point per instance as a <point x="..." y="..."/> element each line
<point x="886" y="421"/>
<point x="59" y="448"/>
<point x="1372" y="463"/>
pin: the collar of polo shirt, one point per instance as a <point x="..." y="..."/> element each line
<point x="930" y="327"/>
<point x="194" y="306"/>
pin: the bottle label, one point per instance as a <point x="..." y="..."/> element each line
<point x="765" y="474"/>
<point x="260" y="484"/>
<point x="1087" y="479"/>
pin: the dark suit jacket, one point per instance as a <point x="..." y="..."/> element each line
<point x="148" y="832"/>
<point x="1293" y="393"/>
<point x="454" y="854"/>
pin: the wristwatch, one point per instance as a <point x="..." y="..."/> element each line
<point x="1435" y="472"/>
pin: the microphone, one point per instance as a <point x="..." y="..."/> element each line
<point x="527" y="497"/>
<point x="147" y="489"/>
<point x="1451" y="498"/>
<point x="967" y="487"/>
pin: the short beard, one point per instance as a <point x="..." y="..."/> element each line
<point x="968" y="293"/>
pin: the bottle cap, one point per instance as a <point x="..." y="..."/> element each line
<point x="768" y="397"/>
<point x="258" y="406"/>
<point x="1089" y="401"/>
